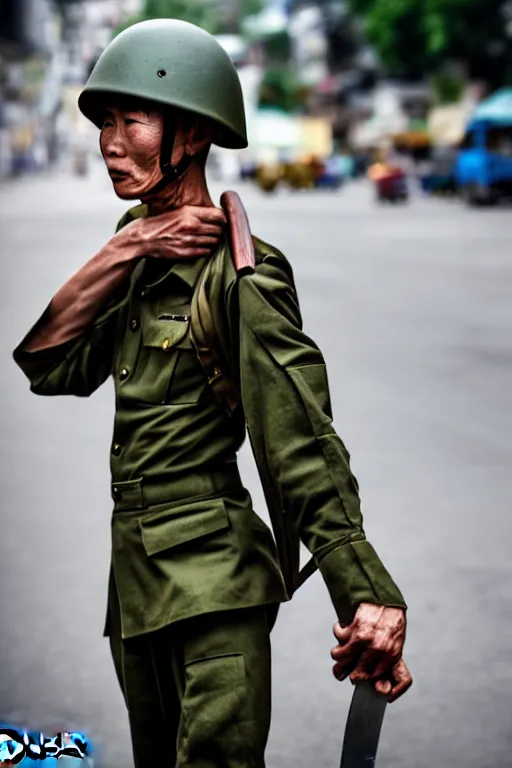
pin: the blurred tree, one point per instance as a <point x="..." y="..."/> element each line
<point x="201" y="12"/>
<point x="447" y="88"/>
<point x="233" y="13"/>
<point x="280" y="89"/>
<point x="277" y="48"/>
<point x="413" y="37"/>
<point x="215" y="16"/>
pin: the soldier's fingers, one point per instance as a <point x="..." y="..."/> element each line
<point x="383" y="686"/>
<point x="210" y="229"/>
<point x="205" y="241"/>
<point x="376" y="661"/>
<point x="402" y="679"/>
<point x="342" y="670"/>
<point x="349" y="650"/>
<point x="211" y="215"/>
<point x="342" y="633"/>
<point x="344" y="666"/>
<point x="382" y="665"/>
<point x="364" y="668"/>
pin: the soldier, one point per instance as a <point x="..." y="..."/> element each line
<point x="196" y="575"/>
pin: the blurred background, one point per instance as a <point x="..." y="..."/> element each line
<point x="380" y="163"/>
<point x="330" y="85"/>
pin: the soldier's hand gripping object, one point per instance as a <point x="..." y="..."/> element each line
<point x="370" y="651"/>
<point x="186" y="232"/>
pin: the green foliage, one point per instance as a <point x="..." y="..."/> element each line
<point x="447" y="89"/>
<point x="199" y="12"/>
<point x="204" y="13"/>
<point x="414" y="36"/>
<point x="249" y="8"/>
<point x="280" y="89"/>
<point x="278" y="47"/>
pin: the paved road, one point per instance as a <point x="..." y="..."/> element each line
<point x="412" y="307"/>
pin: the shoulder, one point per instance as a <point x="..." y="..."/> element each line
<point x="271" y="259"/>
<point x="268" y="295"/>
<point x="138" y="212"/>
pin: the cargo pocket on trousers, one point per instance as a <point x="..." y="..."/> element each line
<point x="215" y="721"/>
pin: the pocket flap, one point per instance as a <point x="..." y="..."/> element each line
<point x="178" y="525"/>
<point x="165" y="333"/>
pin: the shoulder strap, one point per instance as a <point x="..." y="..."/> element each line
<point x="204" y="337"/>
<point x="202" y="326"/>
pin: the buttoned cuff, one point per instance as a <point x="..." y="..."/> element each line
<point x="354" y="574"/>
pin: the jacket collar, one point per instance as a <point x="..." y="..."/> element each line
<point x="187" y="270"/>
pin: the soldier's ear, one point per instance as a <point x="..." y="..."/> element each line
<point x="199" y="136"/>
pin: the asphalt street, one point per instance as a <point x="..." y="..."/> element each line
<point x="412" y="308"/>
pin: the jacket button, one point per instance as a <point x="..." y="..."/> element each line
<point x="134" y="325"/>
<point x="165" y="344"/>
<point x="116" y="449"/>
<point x="124" y="374"/>
<point x="116" y="493"/>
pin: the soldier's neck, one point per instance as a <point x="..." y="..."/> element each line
<point x="190" y="189"/>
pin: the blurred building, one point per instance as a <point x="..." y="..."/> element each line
<point x="309" y="44"/>
<point x="29" y="33"/>
<point x="47" y="49"/>
<point x="332" y="58"/>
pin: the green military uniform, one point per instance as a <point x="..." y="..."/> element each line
<point x="185" y="539"/>
<point x="196" y="575"/>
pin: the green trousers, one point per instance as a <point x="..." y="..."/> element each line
<point x="198" y="691"/>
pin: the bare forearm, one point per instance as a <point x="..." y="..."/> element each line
<point x="77" y="303"/>
<point x="187" y="232"/>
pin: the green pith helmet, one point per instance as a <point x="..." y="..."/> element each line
<point x="175" y="64"/>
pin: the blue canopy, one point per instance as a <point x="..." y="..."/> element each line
<point x="496" y="110"/>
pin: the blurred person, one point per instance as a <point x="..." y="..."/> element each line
<point x="338" y="168"/>
<point x="196" y="577"/>
<point x="62" y="137"/>
<point x="5" y="152"/>
<point x="22" y="131"/>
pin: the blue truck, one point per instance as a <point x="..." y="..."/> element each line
<point x="483" y="169"/>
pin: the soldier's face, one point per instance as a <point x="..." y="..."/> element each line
<point x="130" y="143"/>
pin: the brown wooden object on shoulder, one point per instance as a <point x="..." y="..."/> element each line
<point x="240" y="237"/>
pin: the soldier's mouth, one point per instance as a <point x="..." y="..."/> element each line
<point x="117" y="175"/>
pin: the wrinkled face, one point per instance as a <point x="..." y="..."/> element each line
<point x="130" y="143"/>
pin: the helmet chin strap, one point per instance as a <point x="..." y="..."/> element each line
<point x="170" y="172"/>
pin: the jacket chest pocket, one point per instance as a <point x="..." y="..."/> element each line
<point x="170" y="372"/>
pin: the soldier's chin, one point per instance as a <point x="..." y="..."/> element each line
<point x="125" y="189"/>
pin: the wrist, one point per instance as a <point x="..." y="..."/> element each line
<point x="128" y="244"/>
<point x="372" y="608"/>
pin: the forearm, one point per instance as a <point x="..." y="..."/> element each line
<point x="305" y="459"/>
<point x="78" y="301"/>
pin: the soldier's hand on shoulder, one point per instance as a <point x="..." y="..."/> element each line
<point x="370" y="648"/>
<point x="186" y="232"/>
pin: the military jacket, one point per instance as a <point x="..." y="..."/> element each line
<point x="185" y="538"/>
